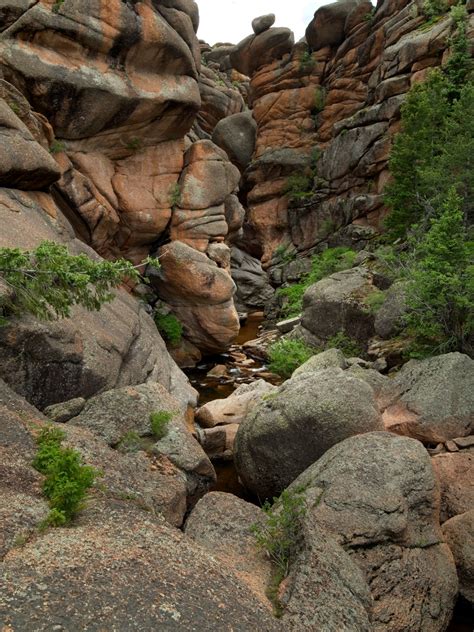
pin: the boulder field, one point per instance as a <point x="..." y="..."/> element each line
<point x="125" y="136"/>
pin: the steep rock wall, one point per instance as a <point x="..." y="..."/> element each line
<point x="118" y="88"/>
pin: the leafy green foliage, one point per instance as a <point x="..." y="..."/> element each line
<point x="299" y="186"/>
<point x="169" y="327"/>
<point x="350" y="348"/>
<point x="175" y="195"/>
<point x="307" y="61"/>
<point x="287" y="355"/>
<point x="330" y="261"/>
<point x="374" y="301"/>
<point x="130" y="442"/>
<point x="440" y="291"/>
<point x="47" y="282"/>
<point x="280" y="536"/>
<point x="159" y="422"/>
<point x="434" y="8"/>
<point x="57" y="6"/>
<point x="460" y="64"/>
<point x="134" y="144"/>
<point x="67" y="480"/>
<point x="57" y="147"/>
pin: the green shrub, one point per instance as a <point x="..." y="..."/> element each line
<point x="169" y="327"/>
<point x="134" y="144"/>
<point x="434" y="8"/>
<point x="159" y="422"/>
<point x="330" y="261"/>
<point x="67" y="480"/>
<point x="280" y="537"/>
<point x="287" y="355"/>
<point x="306" y="61"/>
<point x="47" y="282"/>
<point x="374" y="301"/>
<point x="440" y="290"/>
<point x="57" y="147"/>
<point x="130" y="442"/>
<point x="299" y="186"/>
<point x="350" y="348"/>
<point x="175" y="195"/>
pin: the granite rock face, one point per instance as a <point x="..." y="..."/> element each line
<point x="377" y="494"/>
<point x="293" y="427"/>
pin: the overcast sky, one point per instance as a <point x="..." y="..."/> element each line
<point x="230" y="20"/>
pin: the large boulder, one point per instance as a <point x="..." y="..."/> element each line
<point x="325" y="589"/>
<point x="200" y="293"/>
<point x="263" y="23"/>
<point x="236" y="136"/>
<point x="233" y="409"/>
<point x="459" y="535"/>
<point x="296" y="425"/>
<point x="110" y="79"/>
<point x="454" y="471"/>
<point x="253" y="288"/>
<point x="222" y="524"/>
<point x="377" y="494"/>
<point x="432" y="400"/>
<point x="132" y="571"/>
<point x="256" y="51"/>
<point x="118" y="413"/>
<point x="327" y="26"/>
<point x="219" y="98"/>
<point x="24" y="163"/>
<point x="336" y="304"/>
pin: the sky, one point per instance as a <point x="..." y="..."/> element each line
<point x="230" y="20"/>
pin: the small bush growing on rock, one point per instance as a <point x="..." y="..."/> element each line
<point x="280" y="536"/>
<point x="159" y="422"/>
<point x="350" y="348"/>
<point x="175" y="195"/>
<point x="299" y="186"/>
<point x="67" y="479"/>
<point x="57" y="147"/>
<point x="287" y="355"/>
<point x="47" y="282"/>
<point x="330" y="261"/>
<point x="374" y="301"/>
<point x="169" y="327"/>
<point x="130" y="442"/>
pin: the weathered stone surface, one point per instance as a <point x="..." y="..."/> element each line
<point x="327" y="26"/>
<point x="263" y="23"/>
<point x="324" y="360"/>
<point x="388" y="319"/>
<point x="200" y="294"/>
<point x="432" y="400"/>
<point x="117" y="413"/>
<point x="24" y="163"/>
<point x="377" y="494"/>
<point x="233" y="409"/>
<point x="257" y="50"/>
<point x="158" y="487"/>
<point x="455" y="474"/>
<point x="22" y="506"/>
<point x="109" y="79"/>
<point x="325" y="590"/>
<point x="253" y="288"/>
<point x="219" y="99"/>
<point x="65" y="411"/>
<point x="131" y="559"/>
<point x="336" y="304"/>
<point x="294" y="427"/>
<point x="236" y="136"/>
<point x="222" y="524"/>
<point x="459" y="535"/>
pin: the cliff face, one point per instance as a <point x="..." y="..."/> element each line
<point x="330" y="110"/>
<point x="114" y="88"/>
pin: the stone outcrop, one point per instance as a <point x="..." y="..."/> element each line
<point x="432" y="400"/>
<point x="292" y="428"/>
<point x="459" y="535"/>
<point x="454" y="473"/>
<point x="376" y="493"/>
<point x="330" y="109"/>
<point x="130" y="89"/>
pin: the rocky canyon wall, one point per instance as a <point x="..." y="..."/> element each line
<point x="326" y="111"/>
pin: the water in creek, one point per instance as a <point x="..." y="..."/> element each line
<point x="211" y="388"/>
